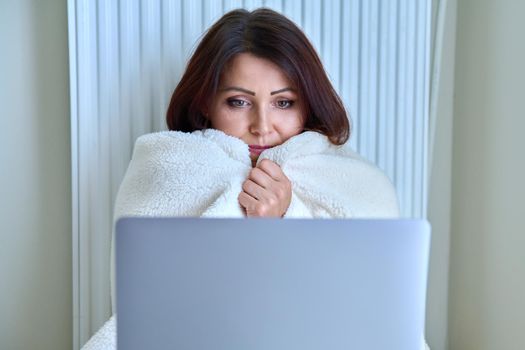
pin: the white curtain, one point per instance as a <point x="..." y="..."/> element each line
<point x="127" y="56"/>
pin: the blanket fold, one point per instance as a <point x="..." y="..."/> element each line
<point x="200" y="174"/>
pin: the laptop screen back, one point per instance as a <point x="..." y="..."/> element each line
<point x="271" y="284"/>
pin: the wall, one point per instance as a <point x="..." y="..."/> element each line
<point x="440" y="186"/>
<point x="487" y="279"/>
<point x="35" y="214"/>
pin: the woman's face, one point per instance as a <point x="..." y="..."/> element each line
<point x="256" y="103"/>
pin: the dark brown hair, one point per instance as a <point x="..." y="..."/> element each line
<point x="265" y="34"/>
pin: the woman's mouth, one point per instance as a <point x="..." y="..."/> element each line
<point x="257" y="150"/>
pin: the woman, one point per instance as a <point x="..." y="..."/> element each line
<point x="256" y="129"/>
<point x="261" y="51"/>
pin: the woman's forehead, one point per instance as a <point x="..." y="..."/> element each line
<point x="251" y="72"/>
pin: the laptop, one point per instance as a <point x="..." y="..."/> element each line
<point x="261" y="284"/>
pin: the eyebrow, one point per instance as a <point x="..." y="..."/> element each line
<point x="236" y="88"/>
<point x="281" y="90"/>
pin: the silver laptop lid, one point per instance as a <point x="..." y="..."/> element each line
<point x="271" y="284"/>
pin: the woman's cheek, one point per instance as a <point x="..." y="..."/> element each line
<point x="232" y="123"/>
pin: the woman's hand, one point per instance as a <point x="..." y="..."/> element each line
<point x="267" y="192"/>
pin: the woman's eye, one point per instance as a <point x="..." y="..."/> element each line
<point x="237" y="103"/>
<point x="284" y="104"/>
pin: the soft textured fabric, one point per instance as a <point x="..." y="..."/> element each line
<point x="200" y="174"/>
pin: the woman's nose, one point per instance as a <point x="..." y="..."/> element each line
<point x="261" y="122"/>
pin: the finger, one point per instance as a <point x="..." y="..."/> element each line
<point x="271" y="168"/>
<point x="247" y="201"/>
<point x="261" y="178"/>
<point x="253" y="189"/>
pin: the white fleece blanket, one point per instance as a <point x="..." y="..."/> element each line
<point x="200" y="174"/>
